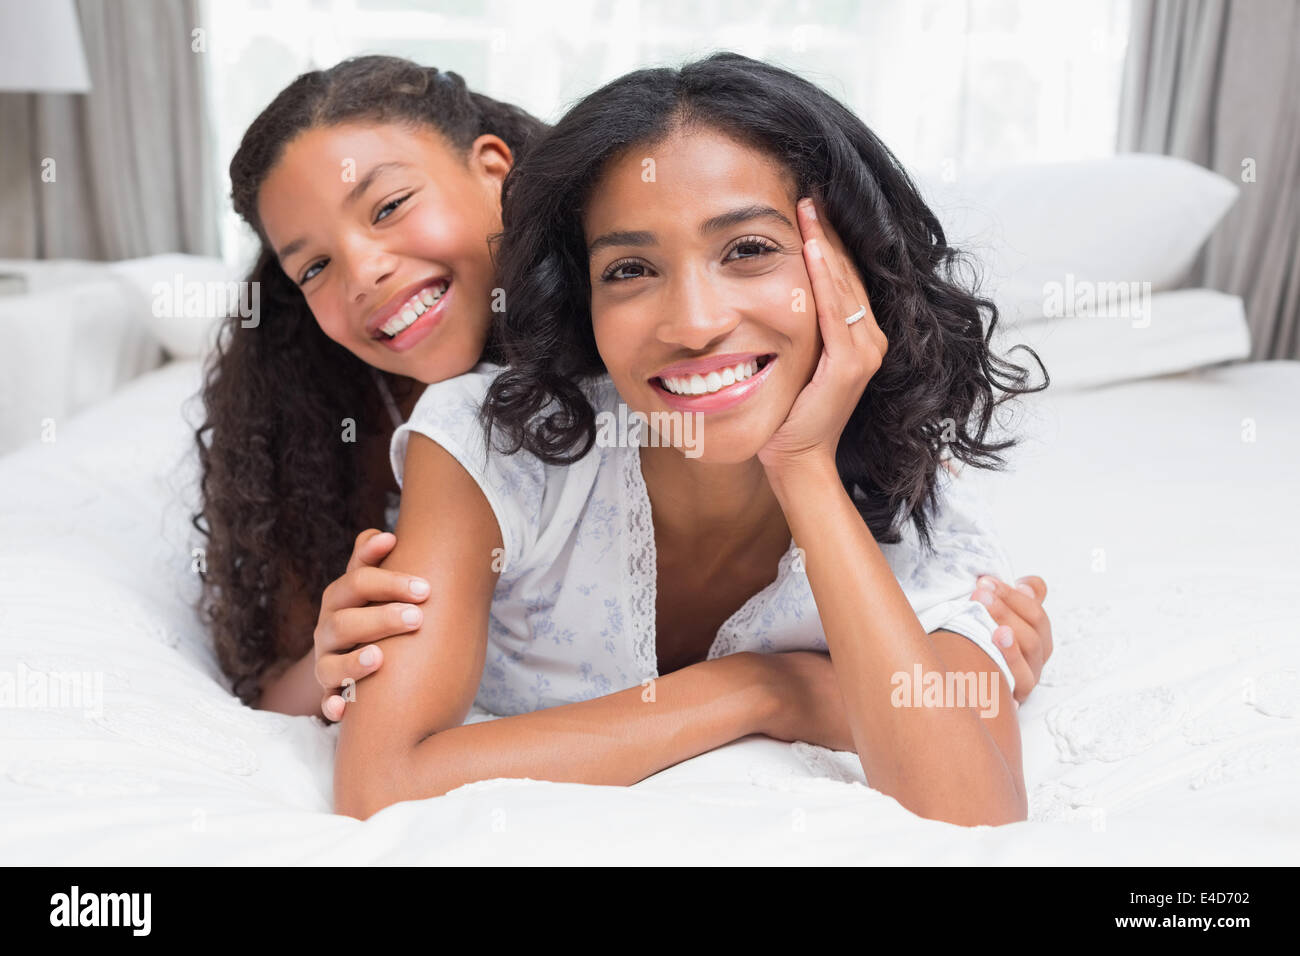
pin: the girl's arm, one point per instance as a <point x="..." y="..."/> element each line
<point x="403" y="738"/>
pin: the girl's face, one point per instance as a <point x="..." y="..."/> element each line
<point x="700" y="298"/>
<point x="385" y="229"/>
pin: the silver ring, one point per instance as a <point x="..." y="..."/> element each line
<point x="856" y="316"/>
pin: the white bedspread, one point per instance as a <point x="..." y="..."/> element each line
<point x="1165" y="729"/>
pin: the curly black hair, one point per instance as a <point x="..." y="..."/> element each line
<point x="282" y="496"/>
<point x="937" y="389"/>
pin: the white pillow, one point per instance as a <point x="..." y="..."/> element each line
<point x="184" y="298"/>
<point x="1129" y="218"/>
<point x="62" y="349"/>
<point x="1175" y="331"/>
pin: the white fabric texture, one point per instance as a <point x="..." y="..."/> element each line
<point x="573" y="615"/>
<point x="1164" y="730"/>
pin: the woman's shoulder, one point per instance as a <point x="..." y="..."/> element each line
<point x="532" y="499"/>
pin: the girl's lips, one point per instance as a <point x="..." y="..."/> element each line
<point x="726" y="397"/>
<point x="418" y="330"/>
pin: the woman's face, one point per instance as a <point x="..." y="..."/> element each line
<point x="385" y="229"/>
<point x="700" y="298"/>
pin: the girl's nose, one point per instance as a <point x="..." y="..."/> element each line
<point x="367" y="270"/>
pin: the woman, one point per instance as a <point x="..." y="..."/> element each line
<point x="656" y="237"/>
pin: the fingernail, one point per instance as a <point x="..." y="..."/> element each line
<point x="987" y="582"/>
<point x="419" y="586"/>
<point x="1026" y="589"/>
<point x="984" y="597"/>
<point x="814" y="250"/>
<point x="1002" y="636"/>
<point x="811" y="208"/>
<point x="369" y="656"/>
<point x="411" y="616"/>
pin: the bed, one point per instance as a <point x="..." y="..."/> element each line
<point x="1165" y="728"/>
<point x="1155" y="491"/>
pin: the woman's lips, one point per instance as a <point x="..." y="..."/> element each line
<point x="726" y="397"/>
<point x="418" y="330"/>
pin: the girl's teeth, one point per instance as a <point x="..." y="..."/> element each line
<point x="712" y="382"/>
<point x="420" y="303"/>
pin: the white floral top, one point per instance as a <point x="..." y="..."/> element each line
<point x="573" y="614"/>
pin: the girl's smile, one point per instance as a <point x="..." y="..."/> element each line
<point x="405" y="320"/>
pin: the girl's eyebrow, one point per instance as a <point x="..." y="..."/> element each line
<point x="724" y="220"/>
<point x="355" y="193"/>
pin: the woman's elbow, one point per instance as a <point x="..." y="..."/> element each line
<point x="362" y="791"/>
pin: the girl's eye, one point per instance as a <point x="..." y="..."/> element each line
<point x="387" y="208"/>
<point x="312" y="271"/>
<point x="751" y="247"/>
<point x="624" y="269"/>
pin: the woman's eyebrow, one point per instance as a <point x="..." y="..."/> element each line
<point x="724" y="220"/>
<point x="355" y="193"/>
<point x="744" y="214"/>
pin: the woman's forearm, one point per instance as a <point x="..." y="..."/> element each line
<point x="292" y="690"/>
<point x="940" y="762"/>
<point x="617" y="740"/>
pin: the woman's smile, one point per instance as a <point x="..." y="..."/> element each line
<point x="712" y="384"/>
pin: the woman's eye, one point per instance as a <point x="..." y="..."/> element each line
<point x="312" y="271"/>
<point x="750" y="248"/>
<point x="624" y="270"/>
<point x="387" y="208"/>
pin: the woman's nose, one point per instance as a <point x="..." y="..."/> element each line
<point x="697" y="314"/>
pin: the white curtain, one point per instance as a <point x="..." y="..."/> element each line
<point x="1216" y="83"/>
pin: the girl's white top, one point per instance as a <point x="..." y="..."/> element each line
<point x="573" y="614"/>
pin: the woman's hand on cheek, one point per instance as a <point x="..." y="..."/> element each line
<point x="348" y="624"/>
<point x="851" y="354"/>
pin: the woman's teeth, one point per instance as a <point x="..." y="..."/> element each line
<point x="414" y="307"/>
<point x="712" y="382"/>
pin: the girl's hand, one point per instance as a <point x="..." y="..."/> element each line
<point x="347" y="620"/>
<point x="851" y="354"/>
<point x="1024" y="632"/>
<point x="807" y="704"/>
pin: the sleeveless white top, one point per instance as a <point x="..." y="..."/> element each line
<point x="573" y="613"/>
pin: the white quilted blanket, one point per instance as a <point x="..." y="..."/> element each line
<point x="1162" y="513"/>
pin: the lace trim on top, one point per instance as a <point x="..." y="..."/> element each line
<point x="641" y="575"/>
<point x="640" y="562"/>
<point x="741" y="623"/>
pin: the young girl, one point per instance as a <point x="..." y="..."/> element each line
<point x="662" y="253"/>
<point x="373" y="187"/>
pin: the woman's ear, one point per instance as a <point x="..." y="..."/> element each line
<point x="491" y="157"/>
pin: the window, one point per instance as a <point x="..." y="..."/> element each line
<point x="949" y="85"/>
